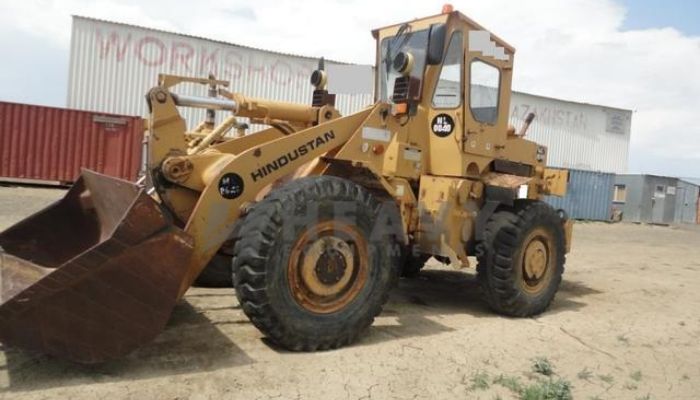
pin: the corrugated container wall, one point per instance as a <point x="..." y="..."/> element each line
<point x="578" y="136"/>
<point x="52" y="144"/>
<point x="112" y="66"/>
<point x="687" y="198"/>
<point x="696" y="182"/>
<point x="589" y="195"/>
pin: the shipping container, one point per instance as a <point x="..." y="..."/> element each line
<point x="113" y="65"/>
<point x="588" y="196"/>
<point x="50" y="145"/>
<point x="647" y="198"/>
<point x="578" y="136"/>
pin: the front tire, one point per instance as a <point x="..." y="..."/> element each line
<point x="313" y="264"/>
<point x="521" y="259"/>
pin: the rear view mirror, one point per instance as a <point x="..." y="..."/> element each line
<point x="436" y="43"/>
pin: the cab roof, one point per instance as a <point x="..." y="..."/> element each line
<point x="454" y="14"/>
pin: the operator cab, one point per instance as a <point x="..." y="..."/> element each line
<point x="451" y="72"/>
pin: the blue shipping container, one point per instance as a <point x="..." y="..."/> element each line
<point x="589" y="195"/>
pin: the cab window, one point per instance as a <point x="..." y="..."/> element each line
<point x="448" y="91"/>
<point x="484" y="91"/>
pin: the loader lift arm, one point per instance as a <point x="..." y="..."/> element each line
<point x="223" y="182"/>
<point x="97" y="274"/>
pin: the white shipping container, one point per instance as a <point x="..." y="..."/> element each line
<point x="113" y="65"/>
<point x="578" y="136"/>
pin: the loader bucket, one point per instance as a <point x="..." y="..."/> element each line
<point x="93" y="276"/>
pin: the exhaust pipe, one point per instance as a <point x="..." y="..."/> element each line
<point x="528" y="120"/>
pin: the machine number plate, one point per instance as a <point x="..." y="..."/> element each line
<point x="442" y="125"/>
<point x="230" y="186"/>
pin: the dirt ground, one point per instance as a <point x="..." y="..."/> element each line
<point x="625" y="325"/>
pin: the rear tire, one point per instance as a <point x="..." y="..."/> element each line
<point x="521" y="259"/>
<point x="313" y="263"/>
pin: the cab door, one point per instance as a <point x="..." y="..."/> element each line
<point x="446" y="111"/>
<point x="488" y="72"/>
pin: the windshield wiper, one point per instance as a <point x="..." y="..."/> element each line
<point x="391" y="46"/>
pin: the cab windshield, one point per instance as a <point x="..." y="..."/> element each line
<point x="405" y="40"/>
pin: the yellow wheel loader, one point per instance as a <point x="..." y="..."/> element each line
<point x="320" y="213"/>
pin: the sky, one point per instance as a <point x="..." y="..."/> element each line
<point x="683" y="15"/>
<point x="642" y="55"/>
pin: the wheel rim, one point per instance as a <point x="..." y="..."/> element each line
<point x="327" y="267"/>
<point x="536" y="261"/>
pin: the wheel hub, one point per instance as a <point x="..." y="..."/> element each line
<point x="330" y="267"/>
<point x="327" y="267"/>
<point x="535" y="259"/>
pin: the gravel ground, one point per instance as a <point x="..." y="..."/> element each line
<point x="16" y="202"/>
<point x="625" y="325"/>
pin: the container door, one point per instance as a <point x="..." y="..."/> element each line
<point x="120" y="146"/>
<point x="657" y="204"/>
<point x="682" y="203"/>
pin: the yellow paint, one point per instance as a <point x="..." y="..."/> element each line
<point x="438" y="181"/>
